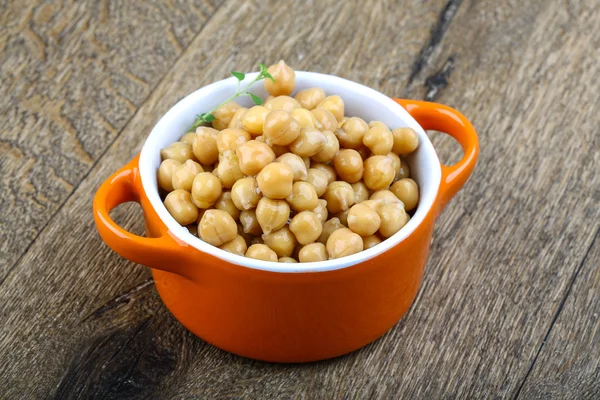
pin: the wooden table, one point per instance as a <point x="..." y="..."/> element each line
<point x="510" y="304"/>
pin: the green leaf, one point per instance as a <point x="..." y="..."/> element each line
<point x="268" y="75"/>
<point x="239" y="75"/>
<point x="208" y="117"/>
<point x="263" y="72"/>
<point x="257" y="100"/>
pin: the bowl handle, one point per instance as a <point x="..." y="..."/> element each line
<point x="164" y="252"/>
<point x="445" y="119"/>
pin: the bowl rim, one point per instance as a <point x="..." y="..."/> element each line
<point x="150" y="151"/>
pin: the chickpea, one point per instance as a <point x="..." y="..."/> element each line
<point x="296" y="164"/>
<point x="325" y="120"/>
<point x="205" y="145"/>
<point x="284" y="77"/>
<point x="340" y="123"/>
<point x="231" y="139"/>
<point x="397" y="164"/>
<point x="261" y="252"/>
<point x="188" y="138"/>
<point x="275" y="180"/>
<point x="303" y="197"/>
<point x="280" y="128"/>
<point x="330" y="148"/>
<point x="236" y="118"/>
<point x="225" y="203"/>
<point x="306" y="226"/>
<point x="375" y="204"/>
<point x="335" y="105"/>
<point x="349" y="165"/>
<point x="306" y="162"/>
<point x="224" y="115"/>
<point x="339" y="196"/>
<point x="319" y="179"/>
<point x="376" y="123"/>
<point x="217" y="227"/>
<point x="287" y="260"/>
<point x="180" y="206"/>
<point x="313" y="252"/>
<point x="352" y="132"/>
<point x="343" y="217"/>
<point x="254" y="156"/>
<point x="206" y="189"/>
<point x="363" y="220"/>
<point x="329" y="227"/>
<point x="407" y="191"/>
<point x="386" y="197"/>
<point x="370" y="241"/>
<point x="361" y="192"/>
<point x="165" y="173"/>
<point x="236" y="246"/>
<point x="343" y="242"/>
<point x="285" y="103"/>
<point x="379" y="172"/>
<point x="321" y="210"/>
<point x="404" y="170"/>
<point x="308" y="143"/>
<point x="254" y="119"/>
<point x="281" y="241"/>
<point x="229" y="170"/>
<point x="379" y="139"/>
<point x="310" y="98"/>
<point x="249" y="223"/>
<point x="272" y="214"/>
<point x="406" y="141"/>
<point x="393" y="218"/>
<point x="304" y="117"/>
<point x="184" y="175"/>
<point x="245" y="193"/>
<point x="328" y="169"/>
<point x="177" y="151"/>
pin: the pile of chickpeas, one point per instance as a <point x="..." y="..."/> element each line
<point x="292" y="180"/>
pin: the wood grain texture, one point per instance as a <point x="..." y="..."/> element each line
<point x="72" y="73"/>
<point x="87" y="324"/>
<point x="568" y="366"/>
<point x="72" y="291"/>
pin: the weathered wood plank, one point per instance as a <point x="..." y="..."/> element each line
<point x="506" y="248"/>
<point x="72" y="74"/>
<point x="568" y="366"/>
<point x="84" y="275"/>
<point x="90" y="325"/>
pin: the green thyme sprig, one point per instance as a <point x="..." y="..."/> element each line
<point x="240" y="76"/>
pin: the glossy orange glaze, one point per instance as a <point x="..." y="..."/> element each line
<point x="285" y="317"/>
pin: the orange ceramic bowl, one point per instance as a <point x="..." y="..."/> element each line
<point x="287" y="312"/>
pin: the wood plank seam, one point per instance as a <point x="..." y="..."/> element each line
<point x="437" y="34"/>
<point x="558" y="311"/>
<point x="437" y="82"/>
<point x="120" y="299"/>
<point x="93" y="165"/>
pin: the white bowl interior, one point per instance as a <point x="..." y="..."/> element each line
<point x="359" y="101"/>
